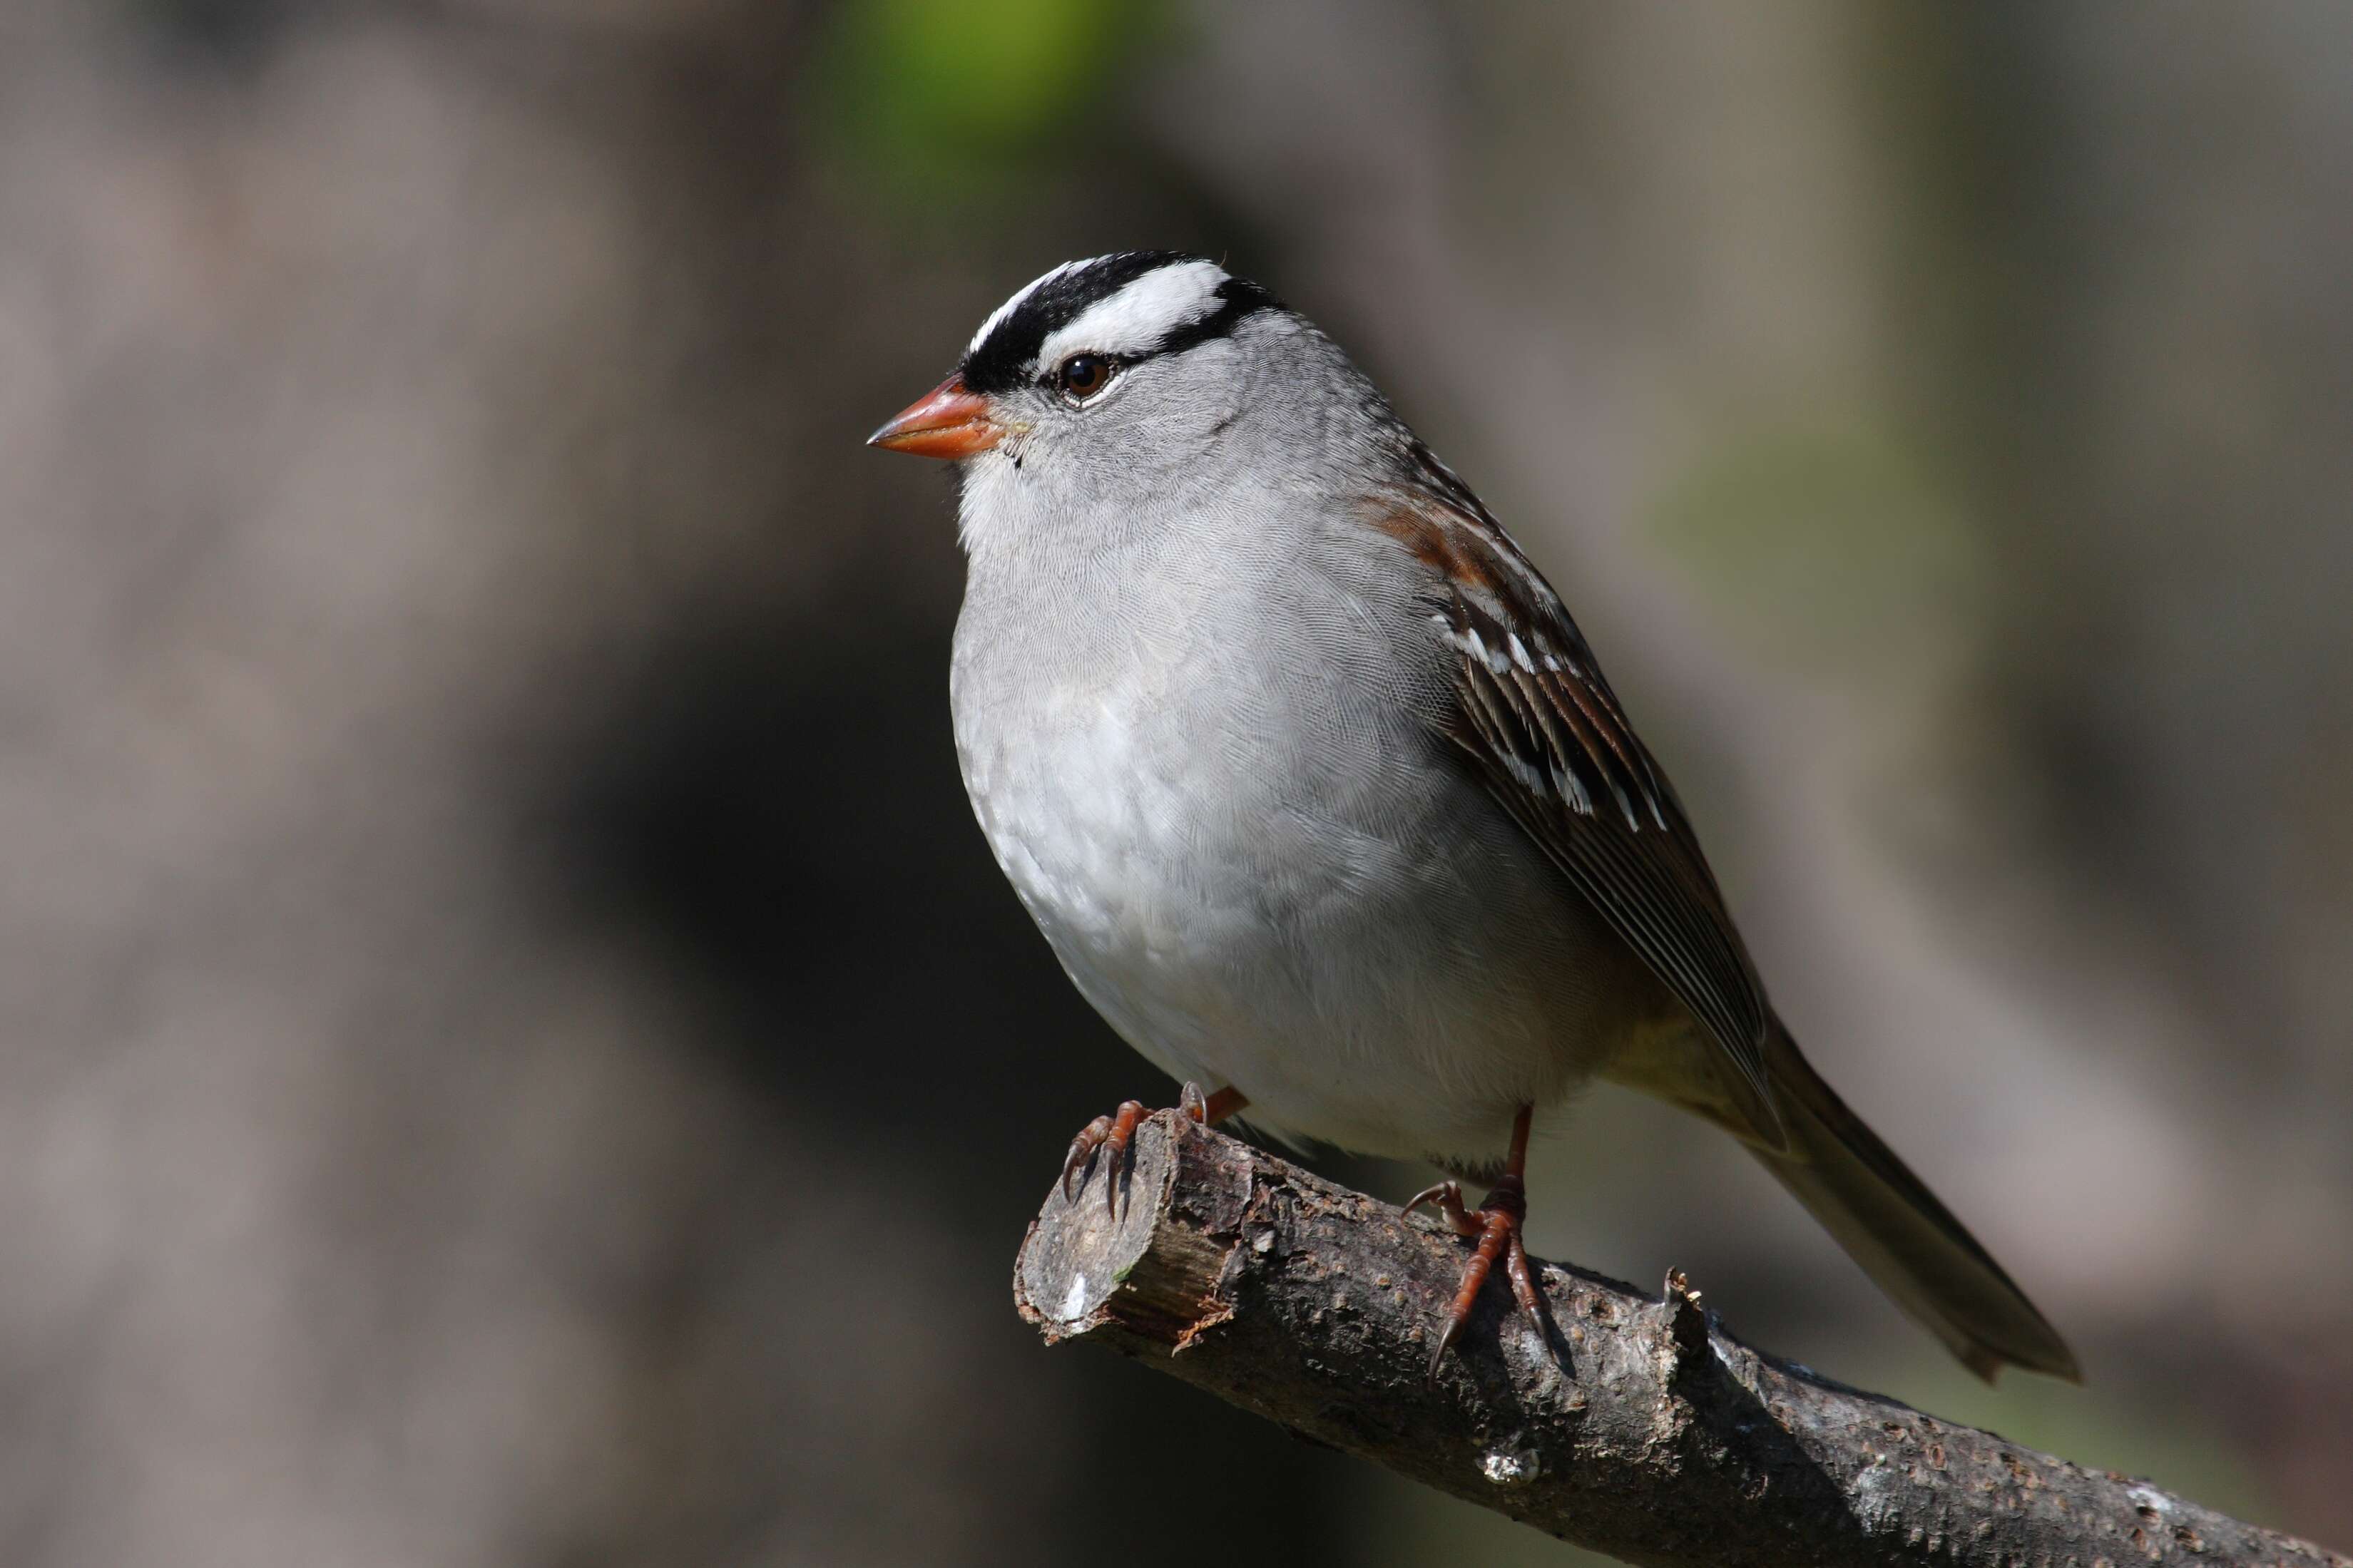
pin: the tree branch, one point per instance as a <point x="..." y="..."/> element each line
<point x="1656" y="1436"/>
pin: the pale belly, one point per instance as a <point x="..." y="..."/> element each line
<point x="1381" y="965"/>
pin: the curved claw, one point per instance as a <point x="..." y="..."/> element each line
<point x="1115" y="1130"/>
<point x="1496" y="1227"/>
<point x="1531" y="1299"/>
<point x="1447" y="1198"/>
<point x="1082" y="1150"/>
<point x="1446" y="1338"/>
<point x="1123" y="1123"/>
<point x="1496" y="1223"/>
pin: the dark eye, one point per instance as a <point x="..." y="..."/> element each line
<point x="1082" y="375"/>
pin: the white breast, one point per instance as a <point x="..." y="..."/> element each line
<point x="1088" y="820"/>
<point x="1201" y="771"/>
<point x="1389" y="977"/>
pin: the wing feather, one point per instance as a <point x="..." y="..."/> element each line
<point x="1537" y="720"/>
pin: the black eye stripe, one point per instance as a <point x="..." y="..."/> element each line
<point x="997" y="364"/>
<point x="1237" y="297"/>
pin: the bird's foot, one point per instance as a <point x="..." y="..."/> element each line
<point x="1495" y="1225"/>
<point x="1114" y="1132"/>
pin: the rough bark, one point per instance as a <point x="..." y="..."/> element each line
<point x="1646" y="1431"/>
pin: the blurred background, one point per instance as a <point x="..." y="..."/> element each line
<point x="511" y="1049"/>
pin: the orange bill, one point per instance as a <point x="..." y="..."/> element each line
<point x="948" y="422"/>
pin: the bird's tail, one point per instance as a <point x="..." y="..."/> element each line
<point x="1893" y="1226"/>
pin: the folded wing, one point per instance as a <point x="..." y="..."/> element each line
<point x="1534" y="715"/>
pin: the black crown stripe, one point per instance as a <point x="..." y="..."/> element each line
<point x="998" y="362"/>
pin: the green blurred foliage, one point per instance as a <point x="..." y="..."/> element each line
<point x="1821" y="543"/>
<point x="932" y="96"/>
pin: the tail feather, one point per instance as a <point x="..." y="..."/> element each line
<point x="1893" y="1226"/>
<point x="1868" y="1200"/>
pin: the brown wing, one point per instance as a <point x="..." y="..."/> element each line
<point x="1535" y="716"/>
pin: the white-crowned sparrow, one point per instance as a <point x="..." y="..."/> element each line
<point x="1319" y="795"/>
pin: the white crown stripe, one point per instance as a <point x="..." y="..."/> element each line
<point x="1141" y="314"/>
<point x="996" y="318"/>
